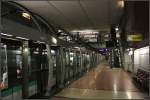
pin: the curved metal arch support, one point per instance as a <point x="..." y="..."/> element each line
<point x="28" y="11"/>
<point x="46" y="23"/>
<point x="43" y="20"/>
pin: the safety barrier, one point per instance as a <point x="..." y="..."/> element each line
<point x="142" y="77"/>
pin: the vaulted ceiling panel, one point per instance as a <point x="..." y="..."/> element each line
<point x="47" y="11"/>
<point x="77" y="14"/>
<point x="73" y="12"/>
<point x="97" y="10"/>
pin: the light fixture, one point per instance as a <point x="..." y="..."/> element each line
<point x="121" y="3"/>
<point x="52" y="51"/>
<point x="71" y="53"/>
<point x="118" y="35"/>
<point x="129" y="95"/>
<point x="144" y="50"/>
<point x="54" y="40"/>
<point x="35" y="52"/>
<point x="26" y="49"/>
<point x="40" y="42"/>
<point x="86" y="31"/>
<point x="130" y="53"/>
<point x="77" y="47"/>
<point x="22" y="38"/>
<point x="59" y="31"/>
<point x="6" y="34"/>
<point x="116" y="28"/>
<point x="26" y="15"/>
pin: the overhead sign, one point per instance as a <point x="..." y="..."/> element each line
<point x="103" y="51"/>
<point x="135" y="37"/>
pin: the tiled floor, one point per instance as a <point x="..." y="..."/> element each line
<point x="102" y="83"/>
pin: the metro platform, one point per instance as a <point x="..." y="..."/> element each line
<point x="102" y="82"/>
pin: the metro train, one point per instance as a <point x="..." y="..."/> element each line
<point x="34" y="60"/>
<point x="46" y="67"/>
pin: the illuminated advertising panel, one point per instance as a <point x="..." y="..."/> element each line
<point x="4" y="68"/>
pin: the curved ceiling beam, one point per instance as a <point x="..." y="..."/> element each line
<point x="33" y="16"/>
<point x="28" y="11"/>
<point x="46" y="23"/>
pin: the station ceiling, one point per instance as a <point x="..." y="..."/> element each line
<point x="73" y="15"/>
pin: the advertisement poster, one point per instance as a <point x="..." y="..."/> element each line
<point x="4" y="69"/>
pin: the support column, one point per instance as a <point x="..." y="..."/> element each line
<point x="81" y="62"/>
<point x="60" y="68"/>
<point x="0" y="54"/>
<point x="50" y="68"/>
<point x="0" y="67"/>
<point x="25" y="67"/>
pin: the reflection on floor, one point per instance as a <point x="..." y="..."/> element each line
<point x="102" y="83"/>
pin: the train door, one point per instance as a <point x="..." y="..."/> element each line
<point x="35" y="68"/>
<point x="71" y="65"/>
<point x="84" y="62"/>
<point x="11" y="58"/>
<point x="39" y="68"/>
<point x="74" y="64"/>
<point x="44" y="68"/>
<point x="76" y="67"/>
<point x="60" y="67"/>
<point x="67" y="67"/>
<point x="88" y="61"/>
<point x="78" y="63"/>
<point x="53" y="61"/>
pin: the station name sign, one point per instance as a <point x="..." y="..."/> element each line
<point x="135" y="37"/>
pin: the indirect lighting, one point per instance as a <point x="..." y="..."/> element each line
<point x="45" y="50"/>
<point x="40" y="42"/>
<point x="117" y="35"/>
<point x="85" y="31"/>
<point x="18" y="52"/>
<point x="37" y="49"/>
<point x="129" y="95"/>
<point x="6" y="34"/>
<point x="54" y="40"/>
<point x="136" y="52"/>
<point x="106" y="36"/>
<point x="121" y="3"/>
<point x="35" y="52"/>
<point x="130" y="52"/>
<point x="22" y="38"/>
<point x="116" y="28"/>
<point x="144" y="50"/>
<point x="115" y="88"/>
<point x="76" y="47"/>
<point x="71" y="53"/>
<point x="71" y="58"/>
<point x="43" y="53"/>
<point x="52" y="51"/>
<point x="26" y="49"/>
<point x="59" y="30"/>
<point x="26" y="15"/>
